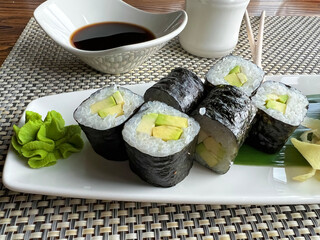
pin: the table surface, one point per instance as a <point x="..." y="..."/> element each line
<point x="14" y="14"/>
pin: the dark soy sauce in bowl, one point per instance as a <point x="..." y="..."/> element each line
<point x="107" y="35"/>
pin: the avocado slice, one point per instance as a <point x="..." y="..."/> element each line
<point x="279" y="98"/>
<point x="272" y="97"/>
<point x="105" y="103"/>
<point x="277" y="102"/>
<point x="117" y="109"/>
<point x="236" y="77"/>
<point x="118" y="97"/>
<point x="281" y="107"/>
<point x="209" y="157"/>
<point x="242" y="77"/>
<point x="174" y="121"/>
<point x="213" y="146"/>
<point x="233" y="80"/>
<point x="167" y="132"/>
<point x="236" y="69"/>
<point x="283" y="98"/>
<point x="147" y="123"/>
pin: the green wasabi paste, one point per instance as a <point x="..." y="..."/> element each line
<point x="43" y="142"/>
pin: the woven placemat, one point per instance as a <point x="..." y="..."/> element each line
<point x="37" y="67"/>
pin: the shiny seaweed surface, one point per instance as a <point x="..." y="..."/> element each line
<point x="181" y="89"/>
<point x="162" y="171"/>
<point x="226" y="107"/>
<point x="269" y="134"/>
<point x="231" y="107"/>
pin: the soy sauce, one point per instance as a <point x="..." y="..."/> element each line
<point x="107" y="35"/>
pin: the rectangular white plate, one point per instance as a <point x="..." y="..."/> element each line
<point x="87" y="175"/>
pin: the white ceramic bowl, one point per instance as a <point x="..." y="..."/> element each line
<point x="60" y="18"/>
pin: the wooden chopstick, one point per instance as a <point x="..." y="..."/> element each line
<point x="250" y="35"/>
<point x="258" y="49"/>
<point x="255" y="47"/>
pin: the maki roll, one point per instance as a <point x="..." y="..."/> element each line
<point x="235" y="71"/>
<point x="281" y="109"/>
<point x="160" y="142"/>
<point x="181" y="89"/>
<point x="102" y="116"/>
<point x="225" y="117"/>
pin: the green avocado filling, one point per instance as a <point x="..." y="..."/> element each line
<point x="162" y="126"/>
<point x="209" y="149"/>
<point x="236" y="77"/>
<point x="277" y="102"/>
<point x="167" y="132"/>
<point x="44" y="142"/>
<point x="109" y="106"/>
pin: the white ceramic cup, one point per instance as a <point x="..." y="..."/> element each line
<point x="213" y="26"/>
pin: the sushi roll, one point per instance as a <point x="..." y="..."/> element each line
<point x="225" y="117"/>
<point x="281" y="109"/>
<point x="102" y="117"/>
<point x="235" y="71"/>
<point x="160" y="142"/>
<point x="181" y="89"/>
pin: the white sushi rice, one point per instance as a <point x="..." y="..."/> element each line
<point x="296" y="105"/>
<point x="84" y="116"/>
<point x="222" y="68"/>
<point x="156" y="146"/>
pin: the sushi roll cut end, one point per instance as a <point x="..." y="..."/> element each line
<point x="160" y="142"/>
<point x="102" y="117"/>
<point x="281" y="109"/>
<point x="235" y="71"/>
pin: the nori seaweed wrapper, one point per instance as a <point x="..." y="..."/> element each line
<point x="162" y="171"/>
<point x="208" y="86"/>
<point x="231" y="107"/>
<point x="269" y="134"/>
<point x="181" y="89"/>
<point x="231" y="110"/>
<point x="107" y="143"/>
